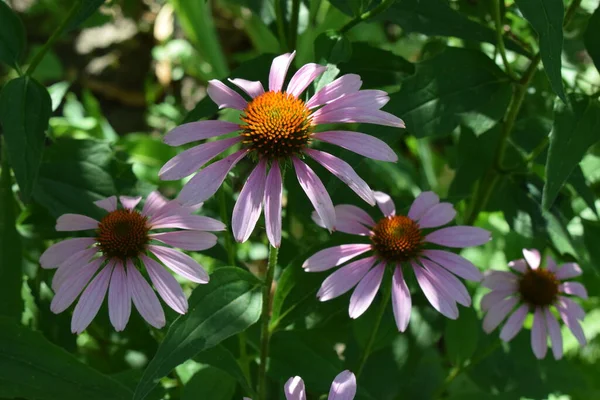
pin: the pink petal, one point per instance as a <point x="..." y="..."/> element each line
<point x="434" y="293"/>
<point x="551" y="264"/>
<point x="518" y="265"/>
<point x="294" y="389"/>
<point x="193" y="222"/>
<point x="109" y="203"/>
<point x="459" y="236"/>
<point x="344" y="278"/>
<point x="568" y="270"/>
<point x="144" y="298"/>
<point x="344" y="172"/>
<point x="343" y="387"/>
<point x="166" y="285"/>
<point x="555" y="334"/>
<point x="494" y="297"/>
<point x="401" y="301"/>
<point x="207" y="181"/>
<point x="514" y="323"/>
<point x="532" y="257"/>
<point x="88" y="305"/>
<point x="343" y="85"/>
<point x="357" y="115"/>
<point x="365" y="291"/>
<point x="248" y="206"/>
<point x="72" y="264"/>
<point x="225" y="97"/>
<point x="316" y="192"/>
<point x="75" y="222"/>
<point x="272" y="200"/>
<point x="180" y="263"/>
<point x="279" y="69"/>
<point x="454" y="263"/>
<point x="360" y="143"/>
<point x="252" y="88"/>
<point x="453" y="287"/>
<point x="422" y="203"/>
<point x="438" y="215"/>
<point x="119" y="298"/>
<point x="571" y="320"/>
<point x="334" y="256"/>
<point x="129" y="202"/>
<point x="73" y="285"/>
<point x="194" y="131"/>
<point x="574" y="288"/>
<point x="154" y="203"/>
<point x="189" y="161"/>
<point x="498" y="312"/>
<point x="357" y="214"/>
<point x="62" y="251"/>
<point x="344" y="223"/>
<point x="500" y="280"/>
<point x="539" y="342"/>
<point x="304" y="77"/>
<point x="364" y="99"/>
<point x="385" y="203"/>
<point x="187" y="240"/>
<point x="572" y="308"/>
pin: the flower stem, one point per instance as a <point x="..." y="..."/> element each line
<point x="496" y="11"/>
<point x="265" y="334"/>
<point x="293" y="37"/>
<point x="366" y="15"/>
<point x="57" y="33"/>
<point x="280" y="24"/>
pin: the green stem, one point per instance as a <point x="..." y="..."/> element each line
<point x="57" y="33"/>
<point x="280" y="24"/>
<point x="229" y="246"/>
<point x="293" y="37"/>
<point x="500" y="38"/>
<point x="366" y="15"/>
<point x="537" y="150"/>
<point x="265" y="334"/>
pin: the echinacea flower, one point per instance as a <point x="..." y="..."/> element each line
<point x="400" y="241"/>
<point x="535" y="290"/>
<point x="121" y="245"/>
<point x="342" y="388"/>
<point x="277" y="126"/>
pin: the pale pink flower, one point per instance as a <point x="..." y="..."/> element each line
<point x="533" y="289"/>
<point x="342" y="388"/>
<point x="123" y="243"/>
<point x="398" y="241"/>
<point x="277" y="126"/>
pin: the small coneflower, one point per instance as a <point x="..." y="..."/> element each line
<point x="123" y="244"/>
<point x="399" y="242"/>
<point x="533" y="289"/>
<point x="277" y="126"/>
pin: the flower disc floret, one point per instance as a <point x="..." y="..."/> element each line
<point x="123" y="233"/>
<point x="397" y="238"/>
<point x="539" y="287"/>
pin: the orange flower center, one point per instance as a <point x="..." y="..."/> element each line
<point x="123" y="234"/>
<point x="397" y="238"/>
<point x="277" y="125"/>
<point x="538" y="287"/>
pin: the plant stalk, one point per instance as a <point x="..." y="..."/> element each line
<point x="496" y="11"/>
<point x="293" y="36"/>
<point x="366" y="15"/>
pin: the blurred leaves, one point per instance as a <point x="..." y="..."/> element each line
<point x="461" y="336"/>
<point x="592" y="37"/>
<point x="12" y="36"/>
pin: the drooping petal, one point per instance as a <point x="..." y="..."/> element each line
<point x="189" y="161"/>
<point x="572" y="308"/>
<point x="343" y="387"/>
<point x="514" y="323"/>
<point x="571" y="321"/>
<point x="401" y="301"/>
<point x="166" y="285"/>
<point x="494" y="297"/>
<point x="459" y="236"/>
<point x="130" y="202"/>
<point x="438" y="215"/>
<point x="248" y="206"/>
<point x="385" y="203"/>
<point x="451" y="284"/>
<point x="358" y="115"/>
<point x="207" y="181"/>
<point x="72" y="264"/>
<point x="334" y="256"/>
<point x="187" y="240"/>
<point x="109" y="203"/>
<point x="304" y="77"/>
<point x="279" y="69"/>
<point x="574" y="288"/>
<point x="344" y="172"/>
<point x="73" y="285"/>
<point x="75" y="222"/>
<point x="539" y="342"/>
<point x="360" y="143"/>
<point x="252" y="88"/>
<point x="344" y="223"/>
<point x="144" y="298"/>
<point x="500" y="280"/>
<point x="88" y="305"/>
<point x="62" y="251"/>
<point x="454" y="263"/>
<point x="272" y="200"/>
<point x="180" y="263"/>
<point x="365" y="291"/>
<point x="224" y="97"/>
<point x="192" y="222"/>
<point x="423" y="202"/>
<point x="568" y="270"/>
<point x="357" y="214"/>
<point x="532" y="257"/>
<point x="554" y="332"/>
<point x="519" y="265"/>
<point x="364" y="99"/>
<point x="498" y="312"/>
<point x="343" y="85"/>
<point x="437" y="297"/>
<point x="344" y="279"/>
<point x="194" y="131"/>
<point x="294" y="389"/>
<point x="119" y="298"/>
<point x="154" y="204"/>
<point x="316" y="192"/>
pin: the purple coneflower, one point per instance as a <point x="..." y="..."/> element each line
<point x="398" y="241"/>
<point x="277" y="126"/>
<point x="534" y="289"/>
<point x="122" y="244"/>
<point x="342" y="388"/>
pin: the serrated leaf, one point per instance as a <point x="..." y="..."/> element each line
<point x="546" y="17"/>
<point x="591" y="37"/>
<point x="229" y="304"/>
<point x="12" y="36"/>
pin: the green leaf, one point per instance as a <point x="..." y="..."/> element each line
<point x="354" y="7"/>
<point x="33" y="368"/>
<point x="461" y="336"/>
<point x="86" y="9"/>
<point x="222" y="358"/>
<point x="591" y="37"/>
<point x="546" y="17"/>
<point x="12" y="36"/>
<point x="11" y="249"/>
<point x="457" y="81"/>
<point x="229" y="304"/>
<point x="25" y="109"/>
<point x="575" y="129"/>
<point x="209" y="383"/>
<point x="591" y="238"/>
<point x="331" y="47"/>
